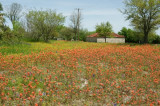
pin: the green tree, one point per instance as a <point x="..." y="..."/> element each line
<point x="143" y="14"/>
<point x="67" y="33"/>
<point x="130" y="35"/>
<point x="18" y="31"/>
<point x="1" y="7"/>
<point x="1" y="16"/>
<point x="83" y="33"/>
<point x="156" y="39"/>
<point x="104" y="29"/>
<point x="12" y="37"/>
<point x="8" y="37"/>
<point x="1" y="21"/>
<point x="134" y="36"/>
<point x="44" y="24"/>
<point x="91" y="32"/>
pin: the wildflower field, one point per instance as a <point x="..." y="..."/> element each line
<point x="78" y="73"/>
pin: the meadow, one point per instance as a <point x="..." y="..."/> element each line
<point x="79" y="73"/>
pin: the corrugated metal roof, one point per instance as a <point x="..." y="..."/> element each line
<point x="113" y="34"/>
<point x="94" y="35"/>
<point x="118" y="36"/>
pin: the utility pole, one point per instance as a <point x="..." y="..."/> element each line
<point x="78" y="21"/>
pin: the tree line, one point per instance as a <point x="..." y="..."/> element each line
<point x="44" y="25"/>
<point x="38" y="25"/>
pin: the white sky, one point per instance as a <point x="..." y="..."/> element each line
<point x="93" y="11"/>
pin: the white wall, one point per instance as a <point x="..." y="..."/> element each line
<point x="115" y="40"/>
<point x="91" y="39"/>
<point x="100" y="40"/>
<point x="111" y="40"/>
<point x="108" y="40"/>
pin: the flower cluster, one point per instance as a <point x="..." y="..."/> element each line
<point x="106" y="75"/>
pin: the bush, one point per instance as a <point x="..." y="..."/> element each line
<point x="131" y="36"/>
<point x="83" y="34"/>
<point x="8" y="37"/>
<point x="156" y="40"/>
<point x="66" y="33"/>
<point x="12" y="37"/>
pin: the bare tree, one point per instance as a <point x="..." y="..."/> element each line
<point x="13" y="12"/>
<point x="76" y="19"/>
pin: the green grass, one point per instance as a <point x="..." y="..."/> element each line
<point x="15" y="49"/>
<point x="35" y="47"/>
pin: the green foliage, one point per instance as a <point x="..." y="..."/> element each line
<point x="15" y="49"/>
<point x="12" y="37"/>
<point x="134" y="36"/>
<point x="104" y="29"/>
<point x="156" y="39"/>
<point x="131" y="35"/>
<point x="8" y="36"/>
<point x="67" y="33"/>
<point x="43" y="24"/>
<point x="144" y="15"/>
<point x="18" y="31"/>
<point x="83" y="34"/>
<point x="152" y="36"/>
<point x="1" y="7"/>
<point x="1" y="19"/>
<point x="91" y="32"/>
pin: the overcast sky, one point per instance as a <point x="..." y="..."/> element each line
<point x="93" y="11"/>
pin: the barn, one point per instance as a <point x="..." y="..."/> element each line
<point x="114" y="39"/>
